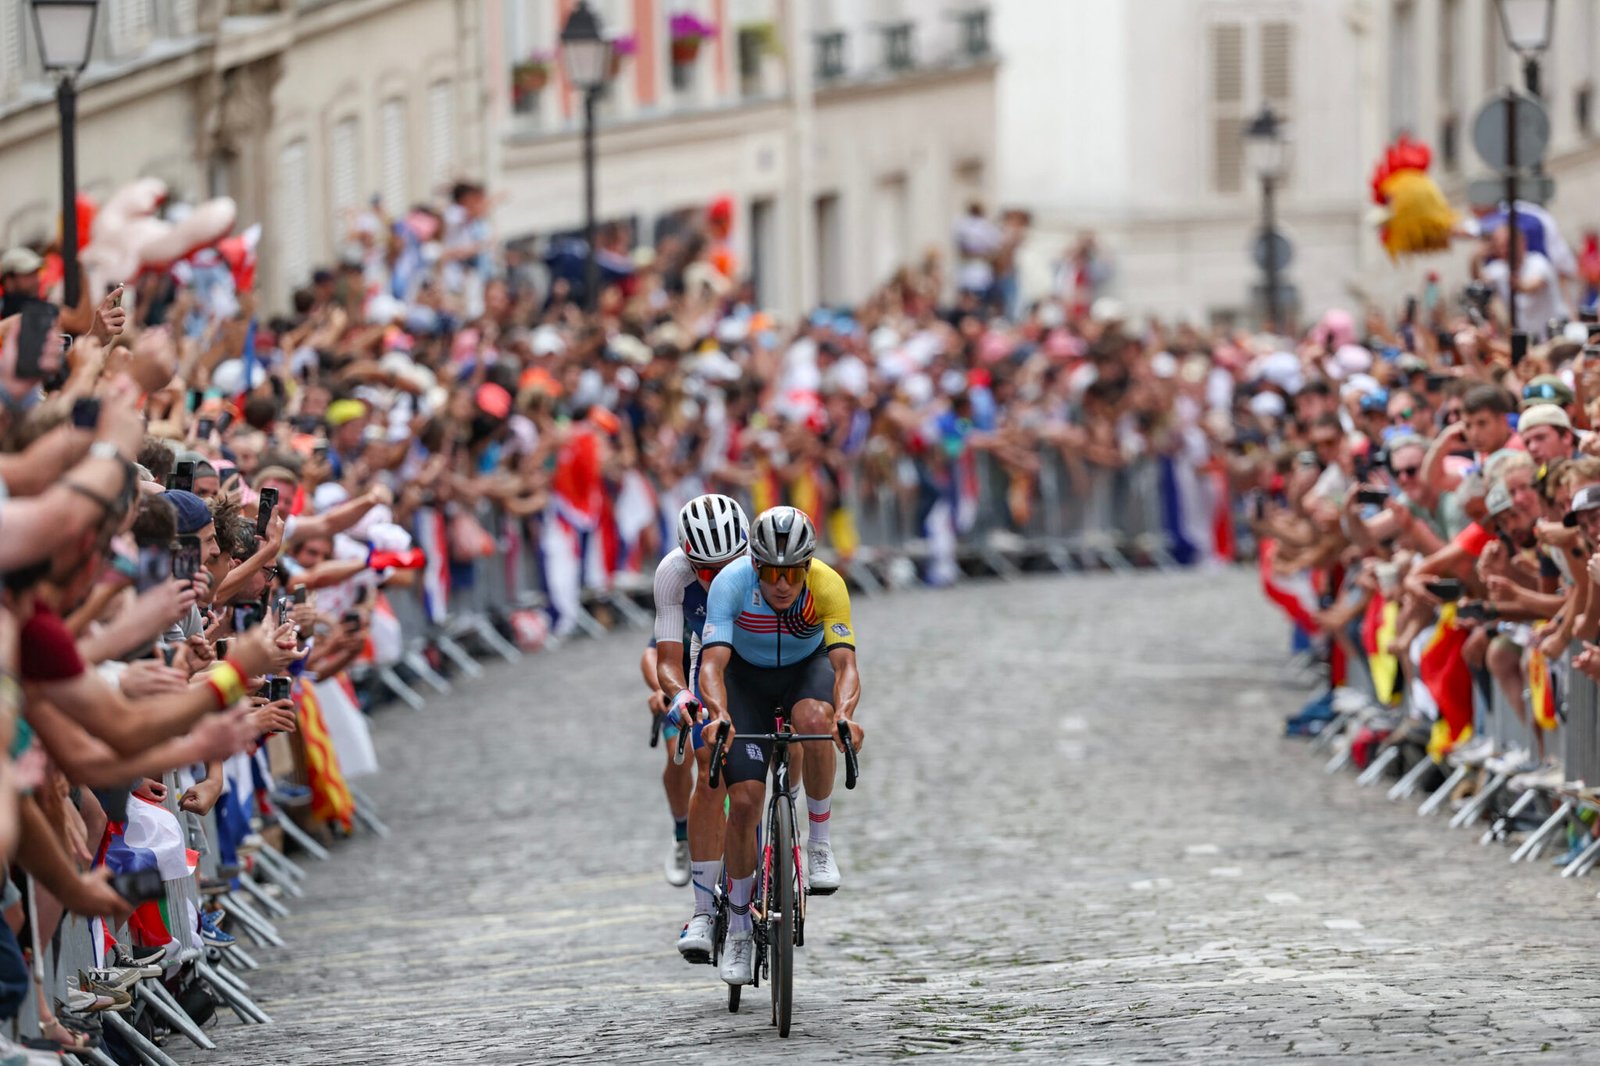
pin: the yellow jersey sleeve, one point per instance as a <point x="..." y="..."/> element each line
<point x="832" y="601"/>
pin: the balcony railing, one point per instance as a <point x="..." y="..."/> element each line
<point x="974" y="26"/>
<point x="830" y="56"/>
<point x="899" y="41"/>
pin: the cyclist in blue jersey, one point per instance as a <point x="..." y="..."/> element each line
<point x="712" y="532"/>
<point x="777" y="638"/>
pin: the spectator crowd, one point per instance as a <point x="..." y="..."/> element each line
<point x="230" y="532"/>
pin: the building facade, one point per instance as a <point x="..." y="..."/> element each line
<point x="1126" y="117"/>
<point x="846" y="132"/>
<point x="299" y="111"/>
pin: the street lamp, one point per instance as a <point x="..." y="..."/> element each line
<point x="65" y="30"/>
<point x="1267" y="149"/>
<point x="1528" y="25"/>
<point x="586" y="55"/>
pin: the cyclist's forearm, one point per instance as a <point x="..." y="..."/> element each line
<point x="669" y="670"/>
<point x="846" y="686"/>
<point x="713" y="692"/>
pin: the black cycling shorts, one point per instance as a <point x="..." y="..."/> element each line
<point x="756" y="694"/>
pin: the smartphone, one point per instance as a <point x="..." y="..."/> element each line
<point x="155" y="567"/>
<point x="205" y="428"/>
<point x="300" y="594"/>
<point x="224" y="420"/>
<point x="278" y="688"/>
<point x="183" y="476"/>
<point x="86" y="412"/>
<point x="247" y="617"/>
<point x="1447" y="589"/>
<point x="352" y="621"/>
<point x="139" y="886"/>
<point x="186" y="557"/>
<point x="38" y="324"/>
<point x="222" y="647"/>
<point x="1476" y="611"/>
<point x="169" y="654"/>
<point x="320" y="450"/>
<point x="269" y="503"/>
<point x="363" y="594"/>
<point x="1411" y="310"/>
<point x="1519" y="346"/>
<point x="1376" y="497"/>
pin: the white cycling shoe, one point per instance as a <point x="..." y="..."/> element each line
<point x="694" y="943"/>
<point x="677" y="865"/>
<point x="822" y="872"/>
<point x="738" y="958"/>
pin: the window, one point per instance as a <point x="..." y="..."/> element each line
<point x="11" y="45"/>
<point x="132" y="24"/>
<point x="344" y="154"/>
<point x="294" y="189"/>
<point x="392" y="156"/>
<point x="441" y="133"/>
<point x="1403" y="70"/>
<point x="1251" y="64"/>
<point x="830" y="249"/>
<point x="1228" y="104"/>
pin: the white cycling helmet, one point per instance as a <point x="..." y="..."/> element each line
<point x="712" y="530"/>
<point x="783" y="536"/>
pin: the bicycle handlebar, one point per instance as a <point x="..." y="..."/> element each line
<point x="684" y="729"/>
<point x="655" y="729"/>
<point x="852" y="769"/>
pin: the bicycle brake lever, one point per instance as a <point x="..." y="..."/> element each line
<point x="655" y="729"/>
<point x="851" y="770"/>
<point x="717" y="753"/>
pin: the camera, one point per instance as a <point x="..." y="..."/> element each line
<point x="1447" y="589"/>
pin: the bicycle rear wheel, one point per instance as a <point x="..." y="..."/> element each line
<point x="780" y="914"/>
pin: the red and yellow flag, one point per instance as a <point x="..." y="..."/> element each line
<point x="330" y="796"/>
<point x="1377" y="631"/>
<point x="1542" y="689"/>
<point x="1449" y="682"/>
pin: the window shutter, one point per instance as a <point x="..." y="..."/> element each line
<point x="441" y="133"/>
<point x="294" y="189"/>
<point x="1276" y="62"/>
<point x="11" y="51"/>
<point x="392" y="133"/>
<point x="345" y="155"/>
<point x="1227" y="104"/>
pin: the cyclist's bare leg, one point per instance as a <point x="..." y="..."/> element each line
<point x="818" y="765"/>
<point x="705" y="812"/>
<point x="744" y="813"/>
<point x="678" y="780"/>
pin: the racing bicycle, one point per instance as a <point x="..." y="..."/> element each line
<point x="778" y="911"/>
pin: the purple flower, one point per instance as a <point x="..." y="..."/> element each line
<point x="688" y="24"/>
<point x="626" y="45"/>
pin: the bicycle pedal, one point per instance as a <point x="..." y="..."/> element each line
<point x="820" y="891"/>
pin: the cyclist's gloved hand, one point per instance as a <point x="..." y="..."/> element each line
<point x="685" y="708"/>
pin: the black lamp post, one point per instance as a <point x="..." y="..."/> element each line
<point x="586" y="55"/>
<point x="1268" y="150"/>
<point x="65" y="30"/>
<point x="1528" y="25"/>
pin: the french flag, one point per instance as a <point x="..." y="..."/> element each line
<point x="430" y="537"/>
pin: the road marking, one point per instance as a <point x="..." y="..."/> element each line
<point x="1203" y="849"/>
<point x="1226" y="871"/>
<point x="1282" y="898"/>
<point x="1343" y="924"/>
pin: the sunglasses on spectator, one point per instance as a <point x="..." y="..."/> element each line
<point x="1406" y="471"/>
<point x="792" y="574"/>
<point x="1326" y="442"/>
<point x="1402" y="416"/>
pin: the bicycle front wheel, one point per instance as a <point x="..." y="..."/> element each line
<point x="780" y="914"/>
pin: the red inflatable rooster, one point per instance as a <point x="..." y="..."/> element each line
<point x="1414" y="216"/>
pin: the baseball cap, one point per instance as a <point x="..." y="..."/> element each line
<point x="1586" y="499"/>
<point x="193" y="514"/>
<point x="1543" y="414"/>
<point x="1498" y="502"/>
<point x="1546" y="388"/>
<point x="20" y="261"/>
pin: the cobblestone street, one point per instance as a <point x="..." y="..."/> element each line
<point x="1079" y="837"/>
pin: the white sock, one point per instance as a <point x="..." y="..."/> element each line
<point x="703" y="876"/>
<point x="820" y="818"/>
<point x="739" y="894"/>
